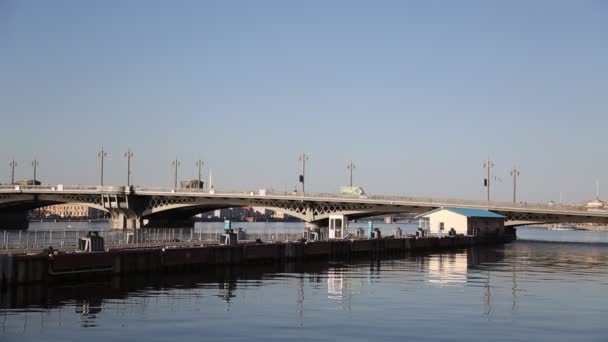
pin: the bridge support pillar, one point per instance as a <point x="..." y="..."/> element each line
<point x="124" y="208"/>
<point x="124" y="221"/>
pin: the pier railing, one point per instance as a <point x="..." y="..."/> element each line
<point x="33" y="240"/>
<point x="26" y="240"/>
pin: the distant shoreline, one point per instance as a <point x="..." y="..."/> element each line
<point x="585" y="227"/>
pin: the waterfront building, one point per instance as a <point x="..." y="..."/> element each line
<point x="442" y="221"/>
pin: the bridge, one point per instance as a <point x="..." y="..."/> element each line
<point x="137" y="207"/>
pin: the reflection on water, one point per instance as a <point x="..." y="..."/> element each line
<point x="527" y="290"/>
<point x="448" y="269"/>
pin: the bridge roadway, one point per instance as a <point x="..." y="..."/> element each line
<point x="136" y="207"/>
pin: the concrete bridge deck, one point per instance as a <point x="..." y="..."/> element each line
<point x="134" y="207"/>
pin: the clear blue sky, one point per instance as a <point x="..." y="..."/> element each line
<point x="417" y="93"/>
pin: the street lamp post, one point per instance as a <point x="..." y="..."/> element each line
<point x="35" y="165"/>
<point x="303" y="159"/>
<point x="488" y="165"/>
<point x="176" y="164"/>
<point x="13" y="164"/>
<point x="102" y="155"/>
<point x="200" y="164"/>
<point x="514" y="173"/>
<point x="210" y="185"/>
<point x="129" y="155"/>
<point x="351" y="167"/>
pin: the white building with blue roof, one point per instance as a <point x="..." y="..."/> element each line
<point x="442" y="221"/>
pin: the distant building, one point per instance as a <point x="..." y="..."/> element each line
<point x="237" y="213"/>
<point x="67" y="211"/>
<point x="249" y="213"/>
<point x="262" y="211"/>
<point x="463" y="221"/>
<point x="279" y="215"/>
<point x="191" y="184"/>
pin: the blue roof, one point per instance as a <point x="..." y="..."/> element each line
<point x="467" y="212"/>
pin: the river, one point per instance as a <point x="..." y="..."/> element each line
<point x="546" y="286"/>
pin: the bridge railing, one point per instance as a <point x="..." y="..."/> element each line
<point x="55" y="187"/>
<point x="171" y="190"/>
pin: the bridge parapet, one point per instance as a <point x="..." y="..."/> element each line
<point x="61" y="188"/>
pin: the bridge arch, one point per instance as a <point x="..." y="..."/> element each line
<point x="30" y="202"/>
<point x="190" y="210"/>
<point x="308" y="211"/>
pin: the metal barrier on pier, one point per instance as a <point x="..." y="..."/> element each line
<point x="68" y="238"/>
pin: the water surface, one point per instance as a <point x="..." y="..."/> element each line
<point x="539" y="288"/>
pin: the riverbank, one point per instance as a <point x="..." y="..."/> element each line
<point x="16" y="269"/>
